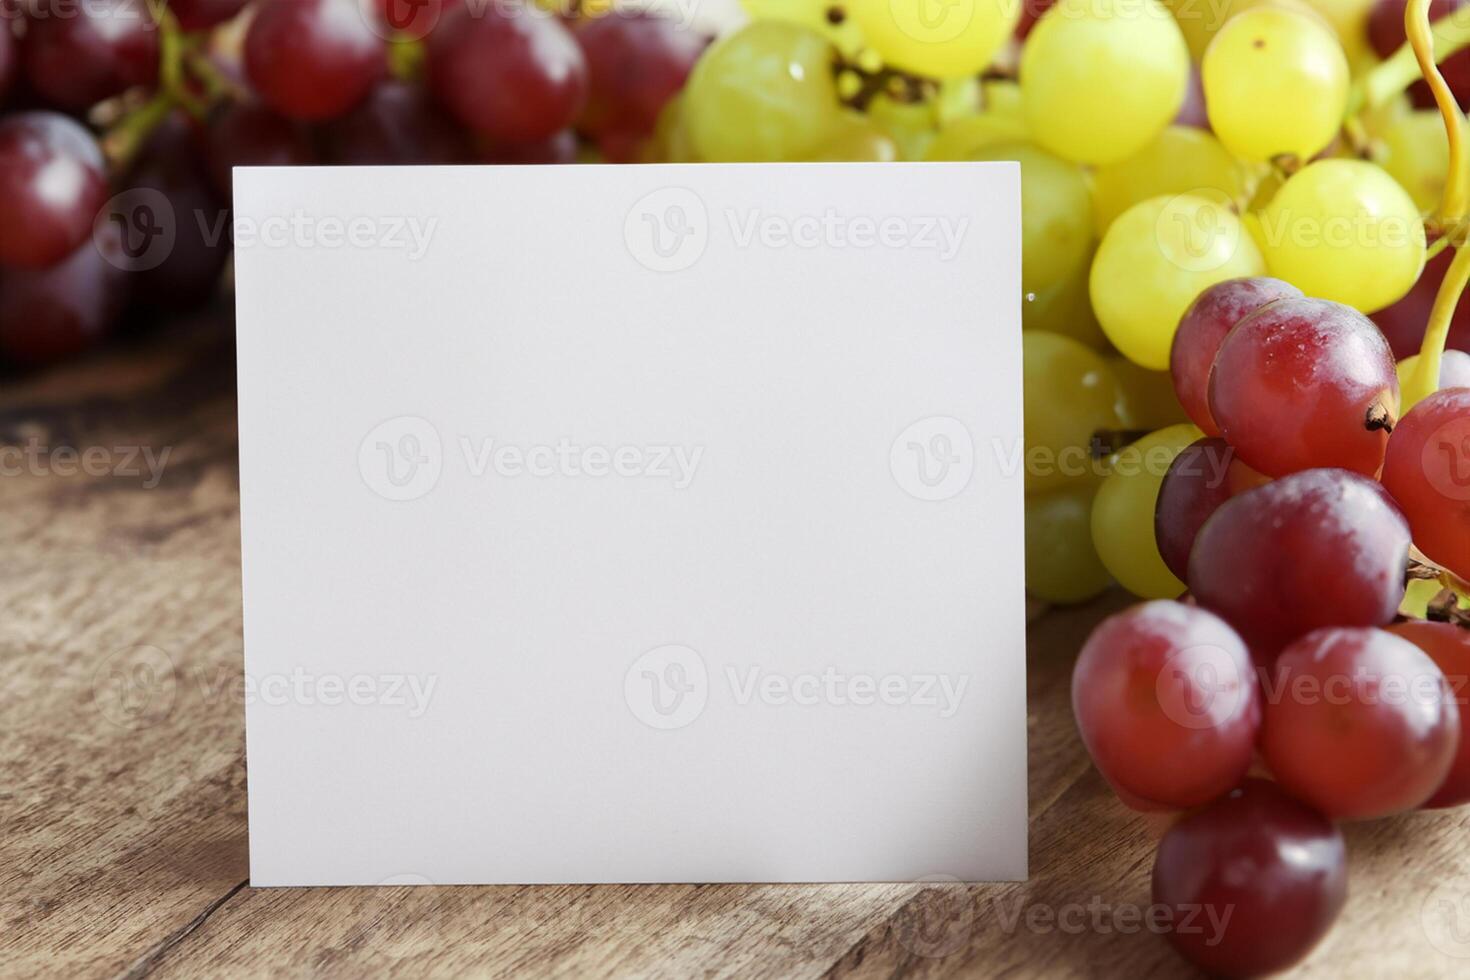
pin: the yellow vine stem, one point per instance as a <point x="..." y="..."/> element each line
<point x="1452" y="207"/>
<point x="1402" y="69"/>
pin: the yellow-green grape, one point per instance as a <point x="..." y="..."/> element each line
<point x="1061" y="563"/>
<point x="855" y="139"/>
<point x="1276" y="82"/>
<point x="1056" y="213"/>
<point x="1182" y="160"/>
<point x="1415" y="152"/>
<point x="909" y="124"/>
<point x="764" y="93"/>
<point x="1101" y="78"/>
<point x="1070" y="396"/>
<point x="670" y="141"/>
<point x="1346" y="231"/>
<point x="1155" y="259"/>
<point x="1148" y="396"/>
<point x="1378" y="120"/>
<point x="947" y="39"/>
<point x="1123" y="513"/>
<point x="965" y="136"/>
<point x="957" y="98"/>
<point x="815" y="15"/>
<point x="1065" y="309"/>
<point x="1349" y="21"/>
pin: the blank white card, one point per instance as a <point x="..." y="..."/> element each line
<point x="632" y="524"/>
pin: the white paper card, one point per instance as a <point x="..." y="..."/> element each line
<point x="632" y="524"/>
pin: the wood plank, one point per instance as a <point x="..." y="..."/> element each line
<point x="122" y="793"/>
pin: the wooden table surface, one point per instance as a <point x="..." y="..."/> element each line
<point x="122" y="792"/>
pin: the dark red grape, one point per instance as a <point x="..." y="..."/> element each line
<point x="636" y="63"/>
<point x="313" y="59"/>
<point x="1317" y="548"/>
<point x="247" y="134"/>
<point x="397" y="124"/>
<point x="1305" y="383"/>
<point x="196" y="15"/>
<point x="1165" y="697"/>
<point x="410" y="20"/>
<point x="1448" y="646"/>
<point x="1254" y="881"/>
<point x="100" y="49"/>
<point x="517" y="77"/>
<point x="1386" y="35"/>
<point x="1428" y="472"/>
<point x="1201" y="478"/>
<point x="7" y="56"/>
<point x="1359" y="723"/>
<point x="177" y="230"/>
<point x="1031" y="11"/>
<point x="1403" y="323"/>
<point x="558" y="148"/>
<point x="50" y="314"/>
<point x="52" y="182"/>
<point x="1203" y="328"/>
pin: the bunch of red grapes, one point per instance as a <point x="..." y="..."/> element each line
<point x="1292" y="521"/>
<point x="122" y="120"/>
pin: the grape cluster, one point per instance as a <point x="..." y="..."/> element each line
<point x="120" y="121"/>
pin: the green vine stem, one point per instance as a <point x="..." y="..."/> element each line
<point x="1402" y="69"/>
<point x="1425" y="380"/>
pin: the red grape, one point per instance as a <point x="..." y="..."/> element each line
<point x="1031" y="11"/>
<point x="1165" y="697"/>
<point x="196" y="15"/>
<point x="1304" y="383"/>
<point x="1201" y="478"/>
<point x="1258" y="877"/>
<point x="1359" y="723"/>
<point x="312" y="59"/>
<point x="635" y="64"/>
<point x="1317" y="548"/>
<point x="411" y="20"/>
<point x="7" y="57"/>
<point x="1403" y="323"/>
<point x="1428" y="472"/>
<point x="1386" y="35"/>
<point x="98" y="50"/>
<point x="52" y="182"/>
<point x="171" y="166"/>
<point x="396" y="124"/>
<point x="558" y="148"/>
<point x="517" y="77"/>
<point x="1203" y="328"/>
<point x="247" y="134"/>
<point x="1454" y="370"/>
<point x="47" y="315"/>
<point x="1448" y="646"/>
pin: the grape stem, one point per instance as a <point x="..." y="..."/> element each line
<point x="1402" y="69"/>
<point x="1421" y="41"/>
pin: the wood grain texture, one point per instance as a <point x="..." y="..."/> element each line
<point x="122" y="778"/>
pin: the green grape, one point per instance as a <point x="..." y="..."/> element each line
<point x="1414" y="151"/>
<point x="856" y="140"/>
<point x="950" y="39"/>
<point x="1070" y="396"/>
<point x="670" y="142"/>
<point x="1101" y="78"/>
<point x="1182" y="160"/>
<point x="1123" y="513"/>
<point x="813" y="15"/>
<point x="1065" y="309"/>
<point x="766" y="92"/>
<point x="1154" y="260"/>
<point x="1349" y="21"/>
<point x="908" y="124"/>
<point x="1002" y="96"/>
<point x="1061" y="563"/>
<point x="967" y="135"/>
<point x="1344" y="230"/>
<point x="1276" y="82"/>
<point x="1148" y="396"/>
<point x="1056" y="213"/>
